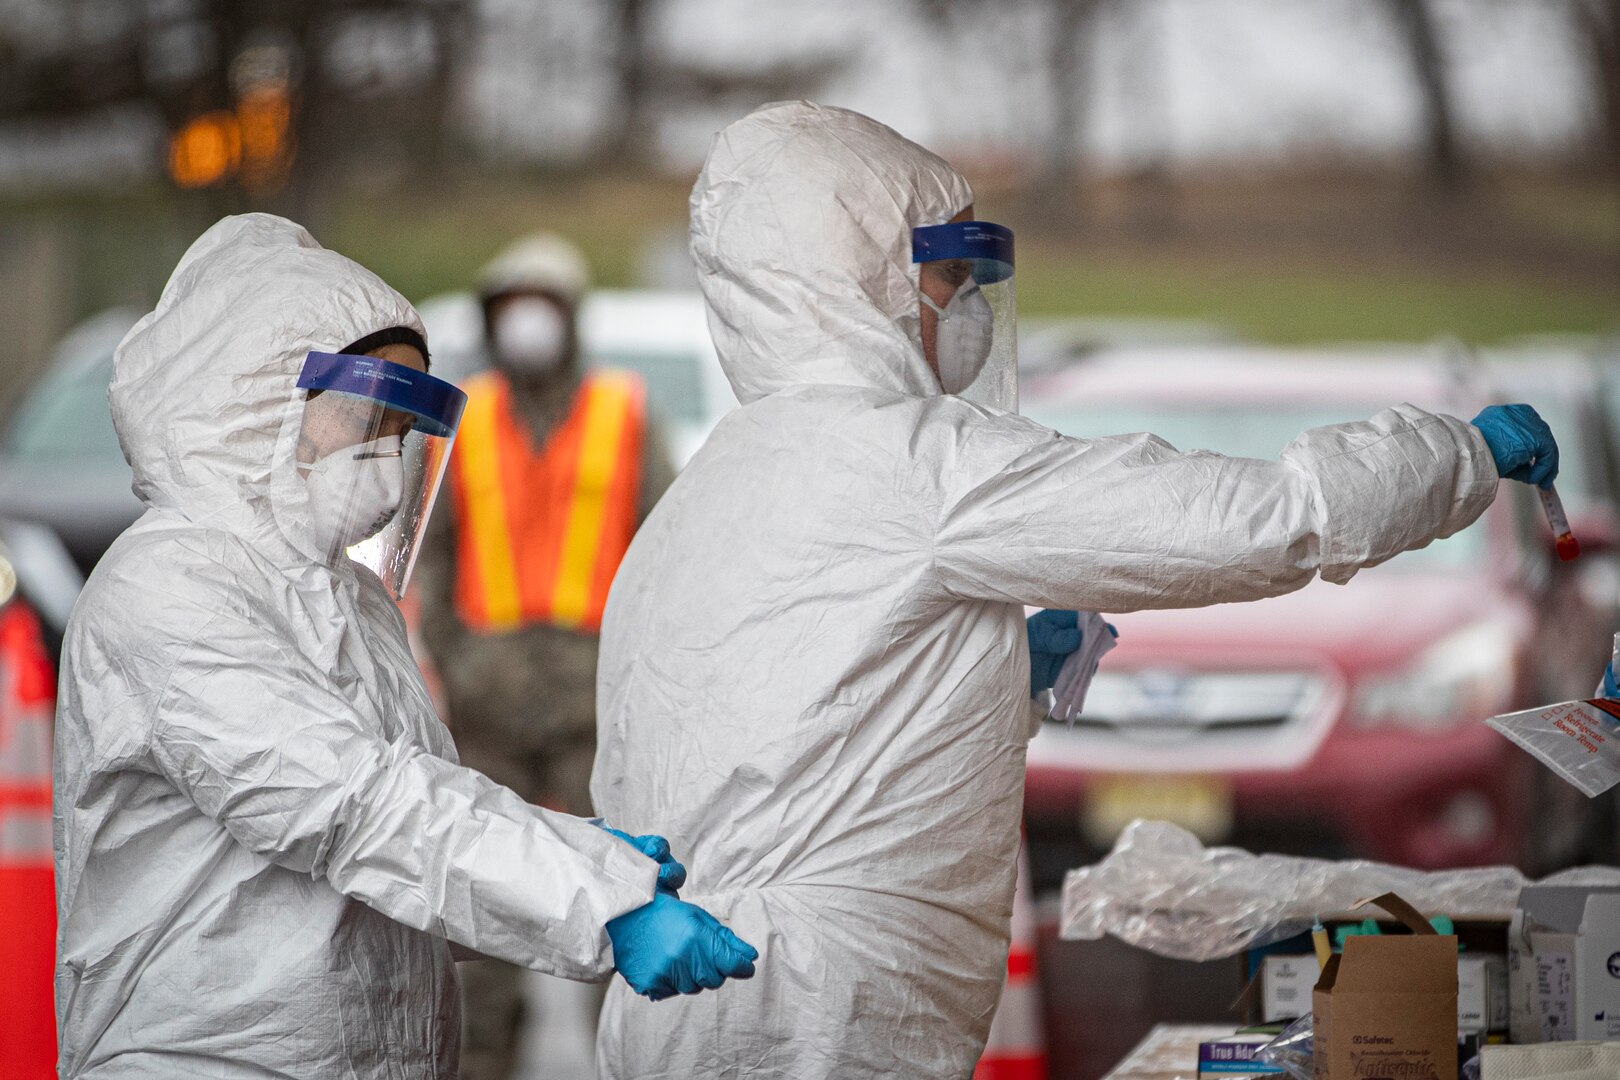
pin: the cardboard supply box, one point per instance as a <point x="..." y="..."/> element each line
<point x="1287" y="983"/>
<point x="1386" y="1007"/>
<point x="1564" y="964"/>
<point x="1482" y="992"/>
<point x="1597" y="971"/>
<point x="1233" y="1058"/>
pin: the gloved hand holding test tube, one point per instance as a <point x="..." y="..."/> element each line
<point x="1525" y="450"/>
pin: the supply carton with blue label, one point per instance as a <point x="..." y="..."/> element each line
<point x="1232" y="1058"/>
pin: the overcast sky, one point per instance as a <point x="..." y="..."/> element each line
<point x="1188" y="80"/>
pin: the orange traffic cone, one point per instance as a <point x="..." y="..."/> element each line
<point x="1017" y="1046"/>
<point x="27" y="891"/>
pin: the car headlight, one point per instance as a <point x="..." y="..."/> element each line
<point x="1466" y="676"/>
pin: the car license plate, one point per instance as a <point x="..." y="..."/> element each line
<point x="1200" y="804"/>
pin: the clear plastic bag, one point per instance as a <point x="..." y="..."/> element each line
<point x="1163" y="891"/>
<point x="1578" y="740"/>
<point x="1293" y="1049"/>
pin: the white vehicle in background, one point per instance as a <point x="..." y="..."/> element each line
<point x="661" y="335"/>
<point x="1048" y="343"/>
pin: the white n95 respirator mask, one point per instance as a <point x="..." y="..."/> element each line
<point x="962" y="336"/>
<point x="355" y="492"/>
<point x="531" y="335"/>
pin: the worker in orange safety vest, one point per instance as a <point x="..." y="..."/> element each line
<point x="553" y="470"/>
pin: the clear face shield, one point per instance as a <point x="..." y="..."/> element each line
<point x="976" y="337"/>
<point x="372" y="447"/>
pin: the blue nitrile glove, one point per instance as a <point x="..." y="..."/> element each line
<point x="671" y="874"/>
<point x="1611" y="688"/>
<point x="1521" y="442"/>
<point x="1053" y="635"/>
<point x="671" y="947"/>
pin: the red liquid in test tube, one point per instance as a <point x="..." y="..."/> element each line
<point x="1568" y="546"/>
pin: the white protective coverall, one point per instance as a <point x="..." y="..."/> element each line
<point x="263" y="839"/>
<point x="814" y="672"/>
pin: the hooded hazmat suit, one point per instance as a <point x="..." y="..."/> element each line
<point x="814" y="674"/>
<point x="263" y="840"/>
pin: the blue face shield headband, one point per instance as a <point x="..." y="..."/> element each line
<point x="988" y="247"/>
<point x="435" y="404"/>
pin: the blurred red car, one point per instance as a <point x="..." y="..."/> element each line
<point x="1339" y="720"/>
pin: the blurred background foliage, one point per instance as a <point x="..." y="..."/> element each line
<point x="1294" y="170"/>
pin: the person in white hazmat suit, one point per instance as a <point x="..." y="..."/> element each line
<point x="264" y="845"/>
<point x="814" y="670"/>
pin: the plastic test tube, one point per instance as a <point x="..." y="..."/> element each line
<point x="1568" y="546"/>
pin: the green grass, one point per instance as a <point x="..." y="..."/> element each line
<point x="1586" y="216"/>
<point x="121" y="249"/>
<point x="427" y="244"/>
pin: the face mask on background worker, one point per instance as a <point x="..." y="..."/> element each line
<point x="970" y="318"/>
<point x="531" y="335"/>
<point x="373" y="438"/>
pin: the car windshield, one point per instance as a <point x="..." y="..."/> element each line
<point x="1240" y="430"/>
<point x="65" y="418"/>
<point x="674" y="380"/>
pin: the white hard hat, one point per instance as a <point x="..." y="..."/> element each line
<point x="543" y="261"/>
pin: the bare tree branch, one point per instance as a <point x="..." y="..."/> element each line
<point x="1597" y="25"/>
<point x="1415" y="26"/>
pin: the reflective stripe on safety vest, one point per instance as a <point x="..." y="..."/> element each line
<point x="541" y="531"/>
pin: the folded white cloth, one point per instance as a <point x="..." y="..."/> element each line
<point x="1074" y="678"/>
<point x="1551" y="1061"/>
